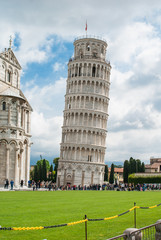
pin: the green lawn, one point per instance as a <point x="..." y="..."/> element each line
<point x="30" y="209"/>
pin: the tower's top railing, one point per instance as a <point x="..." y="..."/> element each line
<point x="90" y="36"/>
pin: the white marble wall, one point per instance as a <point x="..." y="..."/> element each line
<point x="14" y="123"/>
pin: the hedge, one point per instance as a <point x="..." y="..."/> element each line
<point x="132" y="178"/>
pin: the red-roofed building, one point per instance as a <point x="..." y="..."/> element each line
<point x="118" y="174"/>
<point x="154" y="166"/>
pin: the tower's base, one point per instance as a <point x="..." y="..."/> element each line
<point x="80" y="173"/>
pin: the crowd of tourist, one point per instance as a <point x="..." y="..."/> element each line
<point x="97" y="187"/>
<point x="49" y="185"/>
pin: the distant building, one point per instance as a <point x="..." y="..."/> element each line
<point x="118" y="174"/>
<point x="15" y="122"/>
<point x="32" y="167"/>
<point x="154" y="166"/>
<point x="84" y="129"/>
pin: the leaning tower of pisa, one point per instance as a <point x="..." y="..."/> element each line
<point x="84" y="131"/>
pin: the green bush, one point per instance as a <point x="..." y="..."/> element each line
<point x="144" y="179"/>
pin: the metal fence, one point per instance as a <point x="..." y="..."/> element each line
<point x="145" y="233"/>
<point x="120" y="237"/>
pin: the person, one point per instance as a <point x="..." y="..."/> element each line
<point x="34" y="186"/>
<point x="29" y="183"/>
<point x="21" y="183"/>
<point x="49" y="186"/>
<point x="7" y="183"/>
<point x="11" y="182"/>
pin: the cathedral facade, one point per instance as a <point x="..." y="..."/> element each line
<point x="84" y="131"/>
<point x="15" y="112"/>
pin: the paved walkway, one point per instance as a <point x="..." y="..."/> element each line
<point x="2" y="189"/>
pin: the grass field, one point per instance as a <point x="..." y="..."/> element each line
<point x="30" y="209"/>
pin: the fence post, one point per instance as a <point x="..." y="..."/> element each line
<point x="158" y="230"/>
<point x="134" y="215"/>
<point x="86" y="228"/>
<point x="131" y="234"/>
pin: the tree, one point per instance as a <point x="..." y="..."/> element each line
<point x="44" y="170"/>
<point x="132" y="167"/>
<point x="32" y="174"/>
<point x="51" y="173"/>
<point x="126" y="171"/>
<point x="106" y="173"/>
<point x="55" y="161"/>
<point x="40" y="162"/>
<point x="36" y="174"/>
<point x="142" y="167"/>
<point x="111" y="180"/>
<point x="138" y="165"/>
<point x="40" y="172"/>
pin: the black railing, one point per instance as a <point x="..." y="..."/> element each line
<point x="90" y="36"/>
<point x="120" y="237"/>
<point x="88" y="57"/>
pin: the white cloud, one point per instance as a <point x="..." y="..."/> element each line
<point x="46" y="134"/>
<point x="132" y="29"/>
<point x="47" y="116"/>
<point x="48" y="99"/>
<point x="58" y="67"/>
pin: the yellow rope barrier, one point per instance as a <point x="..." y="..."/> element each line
<point x="26" y="228"/>
<point x="111" y="217"/>
<point x="77" y="222"/>
<point x="74" y="223"/>
<point x="153" y="206"/>
<point x="132" y="209"/>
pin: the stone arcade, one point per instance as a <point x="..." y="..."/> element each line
<point x="14" y="122"/>
<point x="85" y="116"/>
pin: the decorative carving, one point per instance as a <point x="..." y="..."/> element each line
<point x="13" y="131"/>
<point x="3" y="131"/>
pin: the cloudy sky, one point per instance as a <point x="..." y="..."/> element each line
<point x="43" y="32"/>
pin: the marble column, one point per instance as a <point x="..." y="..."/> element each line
<point x="16" y="182"/>
<point x="83" y="173"/>
<point x="73" y="177"/>
<point x="92" y="177"/>
<point x="9" y="113"/>
<point x="65" y="173"/>
<point x="18" y="115"/>
<point x="7" y="163"/>
<point x="27" y="165"/>
<point x="21" y="160"/>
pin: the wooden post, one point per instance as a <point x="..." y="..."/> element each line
<point x="134" y="215"/>
<point x="86" y="228"/>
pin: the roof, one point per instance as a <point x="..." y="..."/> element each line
<point x="154" y="165"/>
<point x="10" y="57"/>
<point x="119" y="170"/>
<point x="8" y="91"/>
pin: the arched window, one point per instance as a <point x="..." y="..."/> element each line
<point x="94" y="53"/>
<point x="102" y="49"/>
<point x="79" y="71"/>
<point x="93" y="71"/>
<point x="88" y="47"/>
<point x="8" y="76"/>
<point x="4" y="106"/>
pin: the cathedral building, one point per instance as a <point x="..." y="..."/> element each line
<point x="84" y="131"/>
<point x="15" y="122"/>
